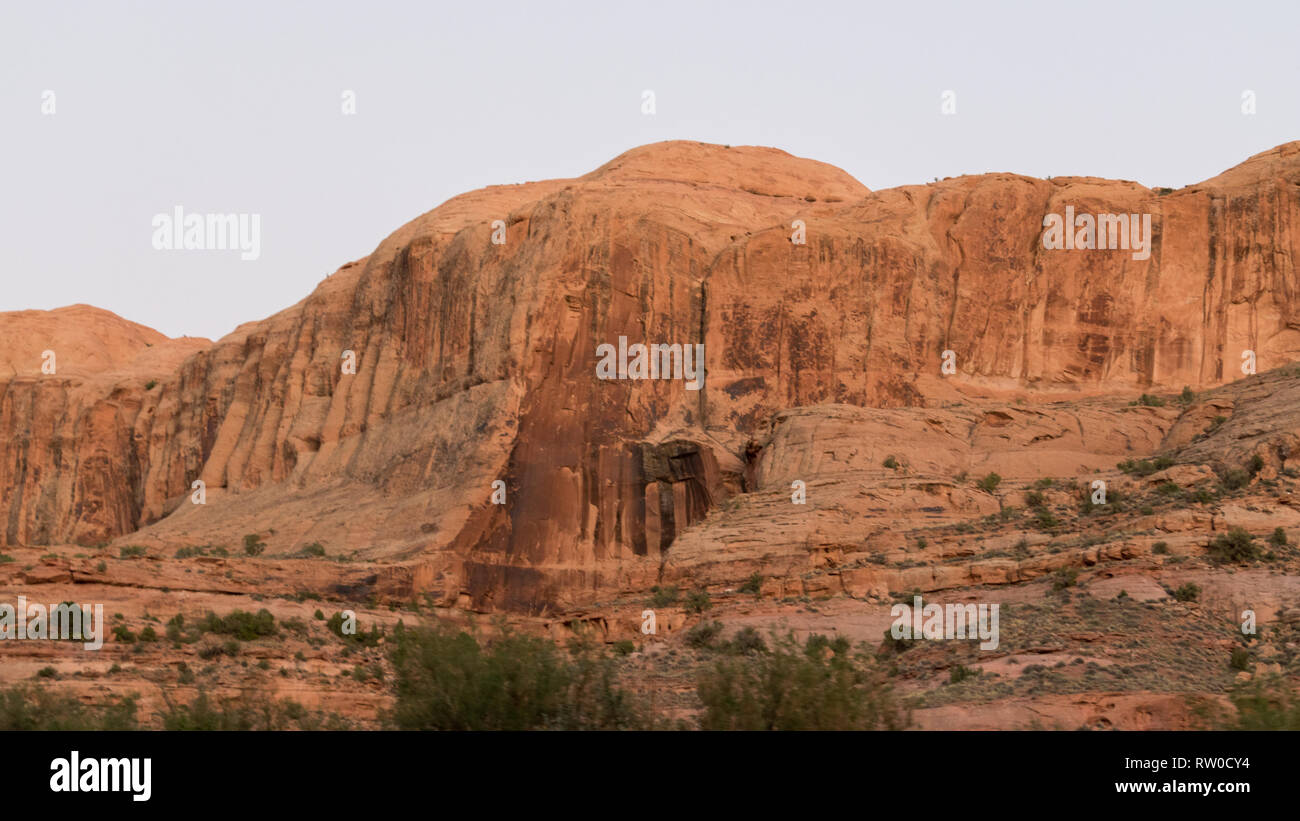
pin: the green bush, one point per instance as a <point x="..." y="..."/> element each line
<point x="1235" y="479"/>
<point x="246" y="712"/>
<point x="1268" y="703"/>
<point x="697" y="601"/>
<point x="664" y="596"/>
<point x="753" y="585"/>
<point x="253" y="544"/>
<point x="1278" y="538"/>
<point x="1234" y="547"/>
<point x="1045" y="520"/>
<point x="201" y="550"/>
<point x="890" y="462"/>
<point x="1066" y="577"/>
<point x="134" y="551"/>
<point x="960" y="673"/>
<point x="1160" y="548"/>
<point x="23" y="708"/>
<point x="1188" y="592"/>
<point x="447" y="680"/>
<point x="989" y="483"/>
<point x="702" y="635"/>
<point x="215" y="649"/>
<point x="365" y="638"/>
<point x="1240" y="659"/>
<point x="240" y="624"/>
<point x="747" y="640"/>
<point x="1146" y="467"/>
<point x="794" y="687"/>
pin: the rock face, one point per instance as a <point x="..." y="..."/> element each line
<point x="476" y="361"/>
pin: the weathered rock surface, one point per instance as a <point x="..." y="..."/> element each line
<point x="476" y="362"/>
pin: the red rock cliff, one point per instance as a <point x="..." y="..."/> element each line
<point x="476" y="361"/>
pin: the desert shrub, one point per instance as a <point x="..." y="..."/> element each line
<point x="697" y="601"/>
<point x="25" y="708"/>
<point x="1149" y="400"/>
<point x="365" y="638"/>
<point x="1234" y="547"/>
<point x="1188" y="396"/>
<point x="1035" y="499"/>
<point x="1066" y="577"/>
<point x="1240" y="659"/>
<point x="747" y="640"/>
<point x="133" y="551"/>
<point x="624" y="647"/>
<point x="314" y="549"/>
<point x="1160" y="548"/>
<point x="1146" y="467"/>
<point x="1188" y="592"/>
<point x="794" y="687"/>
<point x="240" y="624"/>
<point x="890" y="462"/>
<point x="1270" y="703"/>
<point x="1235" y="479"/>
<point x="664" y="596"/>
<point x="960" y="673"/>
<point x="447" y="680"/>
<point x="246" y="712"/>
<point x="753" y="585"/>
<point x="989" y="483"/>
<point x="1278" y="538"/>
<point x="702" y="635"/>
<point x="215" y="649"/>
<point x="253" y="544"/>
<point x="201" y="550"/>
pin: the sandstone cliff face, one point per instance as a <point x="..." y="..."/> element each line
<point x="476" y="362"/>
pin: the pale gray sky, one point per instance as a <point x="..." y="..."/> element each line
<point x="235" y="107"/>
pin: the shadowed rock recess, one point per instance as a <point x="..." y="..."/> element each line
<point x="477" y="361"/>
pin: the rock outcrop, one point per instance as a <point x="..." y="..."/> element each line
<point x="476" y="362"/>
